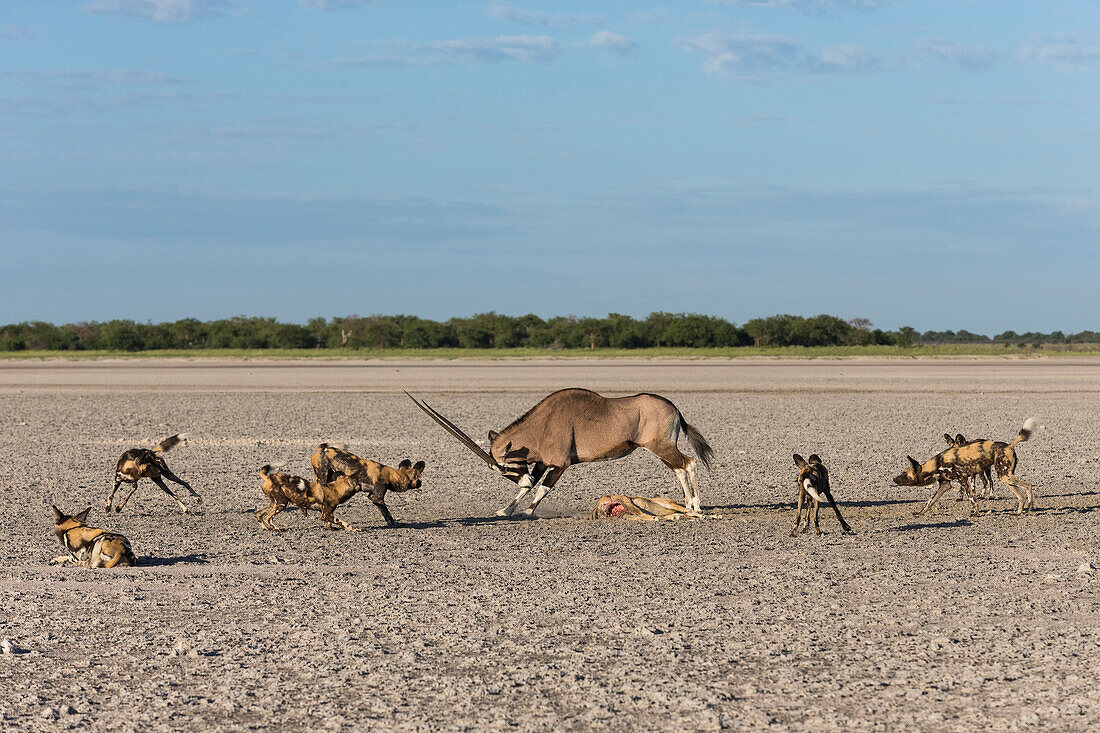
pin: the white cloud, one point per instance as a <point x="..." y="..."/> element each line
<point x="843" y="59"/>
<point x="1074" y="53"/>
<point x="168" y="12"/>
<point x="614" y="42"/>
<point x="540" y="17"/>
<point x="743" y="54"/>
<point x="410" y="54"/>
<point x="968" y="57"/>
<point x="12" y="32"/>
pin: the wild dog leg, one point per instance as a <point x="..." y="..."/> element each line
<point x="268" y="513"/>
<point x="111" y="498"/>
<point x="176" y="479"/>
<point x="1018" y="488"/>
<point x="832" y="503"/>
<point x="118" y="507"/>
<point x="552" y="476"/>
<point x="817" y="518"/>
<point x="798" y="511"/>
<point x="328" y="516"/>
<point x="380" y="502"/>
<point x="164" y="487"/>
<point x="940" y="490"/>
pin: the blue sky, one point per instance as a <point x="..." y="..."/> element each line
<point x="910" y="161"/>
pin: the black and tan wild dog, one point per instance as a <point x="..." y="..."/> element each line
<point x="283" y="489"/>
<point x="89" y="547"/>
<point x="961" y="463"/>
<point x="330" y="461"/>
<point x="987" y="477"/>
<point x="138" y="463"/>
<point x="813" y="483"/>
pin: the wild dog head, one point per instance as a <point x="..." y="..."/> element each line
<point x="64" y="522"/>
<point x="914" y="475"/>
<point x="408" y="476"/>
<point x="957" y="442"/>
<point x="812" y="475"/>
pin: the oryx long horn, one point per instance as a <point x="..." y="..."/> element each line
<point x="451" y="428"/>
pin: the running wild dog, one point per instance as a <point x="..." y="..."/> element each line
<point x="579" y="426"/>
<point x="89" y="547"/>
<point x="330" y="461"/>
<point x="960" y="463"/>
<point x="138" y="463"/>
<point x="638" y="509"/>
<point x="813" y="483"/>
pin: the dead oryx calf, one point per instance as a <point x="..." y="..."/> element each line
<point x="961" y="463"/>
<point x="138" y="463"/>
<point x="579" y="426"/>
<point x="89" y="547"/>
<point x="813" y="483"/>
<point x="639" y="509"/>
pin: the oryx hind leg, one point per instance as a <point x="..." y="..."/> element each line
<point x="682" y="466"/>
<point x="696" y="505"/>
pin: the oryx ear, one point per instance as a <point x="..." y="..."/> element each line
<point x="419" y="467"/>
<point x="913" y="463"/>
<point x="58" y="516"/>
<point x="493" y="435"/>
<point x="405" y="464"/>
<point x="799" y="461"/>
<point x="815" y="458"/>
<point x="83" y="516"/>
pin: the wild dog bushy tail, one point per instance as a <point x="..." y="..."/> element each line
<point x="699" y="444"/>
<point x="170" y="442"/>
<point x="1030" y="425"/>
<point x="265" y="470"/>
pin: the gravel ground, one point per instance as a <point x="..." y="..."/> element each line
<point x="463" y="621"/>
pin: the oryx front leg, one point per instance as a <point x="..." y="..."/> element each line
<point x="551" y="478"/>
<point x="526" y="483"/>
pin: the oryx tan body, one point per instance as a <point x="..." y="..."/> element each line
<point x="89" y="547"/>
<point x="579" y="426"/>
<point x="138" y="463"/>
<point x="640" y="509"/>
<point x="961" y="463"/>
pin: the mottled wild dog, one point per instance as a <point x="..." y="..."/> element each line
<point x="639" y="509"/>
<point x="579" y="426"/>
<point x="813" y="483"/>
<point x="987" y="477"/>
<point x="960" y="463"/>
<point x="138" y="463"/>
<point x="89" y="547"/>
<point x="330" y="461"/>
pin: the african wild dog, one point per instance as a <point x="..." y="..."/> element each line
<point x="89" y="547"/>
<point x="987" y="477"/>
<point x="138" y="463"/>
<point x="330" y="461"/>
<point x="813" y="483"/>
<point x="579" y="426"/>
<point x="961" y="463"/>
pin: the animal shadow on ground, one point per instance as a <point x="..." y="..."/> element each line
<point x="932" y="525"/>
<point x="160" y="562"/>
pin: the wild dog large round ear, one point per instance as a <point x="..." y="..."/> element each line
<point x="419" y="467"/>
<point x="815" y="459"/>
<point x="58" y="515"/>
<point x="913" y="463"/>
<point x="799" y="461"/>
<point x="405" y="464"/>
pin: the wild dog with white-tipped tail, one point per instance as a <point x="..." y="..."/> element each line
<point x="813" y="484"/>
<point x="961" y="463"/>
<point x="138" y="463"/>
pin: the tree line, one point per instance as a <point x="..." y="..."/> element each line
<point x="493" y="331"/>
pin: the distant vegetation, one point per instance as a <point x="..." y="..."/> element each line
<point x="494" y="331"/>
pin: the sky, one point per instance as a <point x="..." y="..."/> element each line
<point x="933" y="163"/>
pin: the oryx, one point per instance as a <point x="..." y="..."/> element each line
<point x="579" y="426"/>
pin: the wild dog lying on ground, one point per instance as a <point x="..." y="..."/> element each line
<point x="374" y="478"/>
<point x="138" y="463"/>
<point x="331" y="461"/>
<point x="89" y="547"/>
<point x="987" y="477"/>
<point x="813" y="483"/>
<point x="635" y="508"/>
<point x="960" y="463"/>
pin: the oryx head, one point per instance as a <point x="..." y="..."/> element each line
<point x="504" y="459"/>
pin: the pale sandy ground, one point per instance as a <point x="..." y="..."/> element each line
<point x="461" y="621"/>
